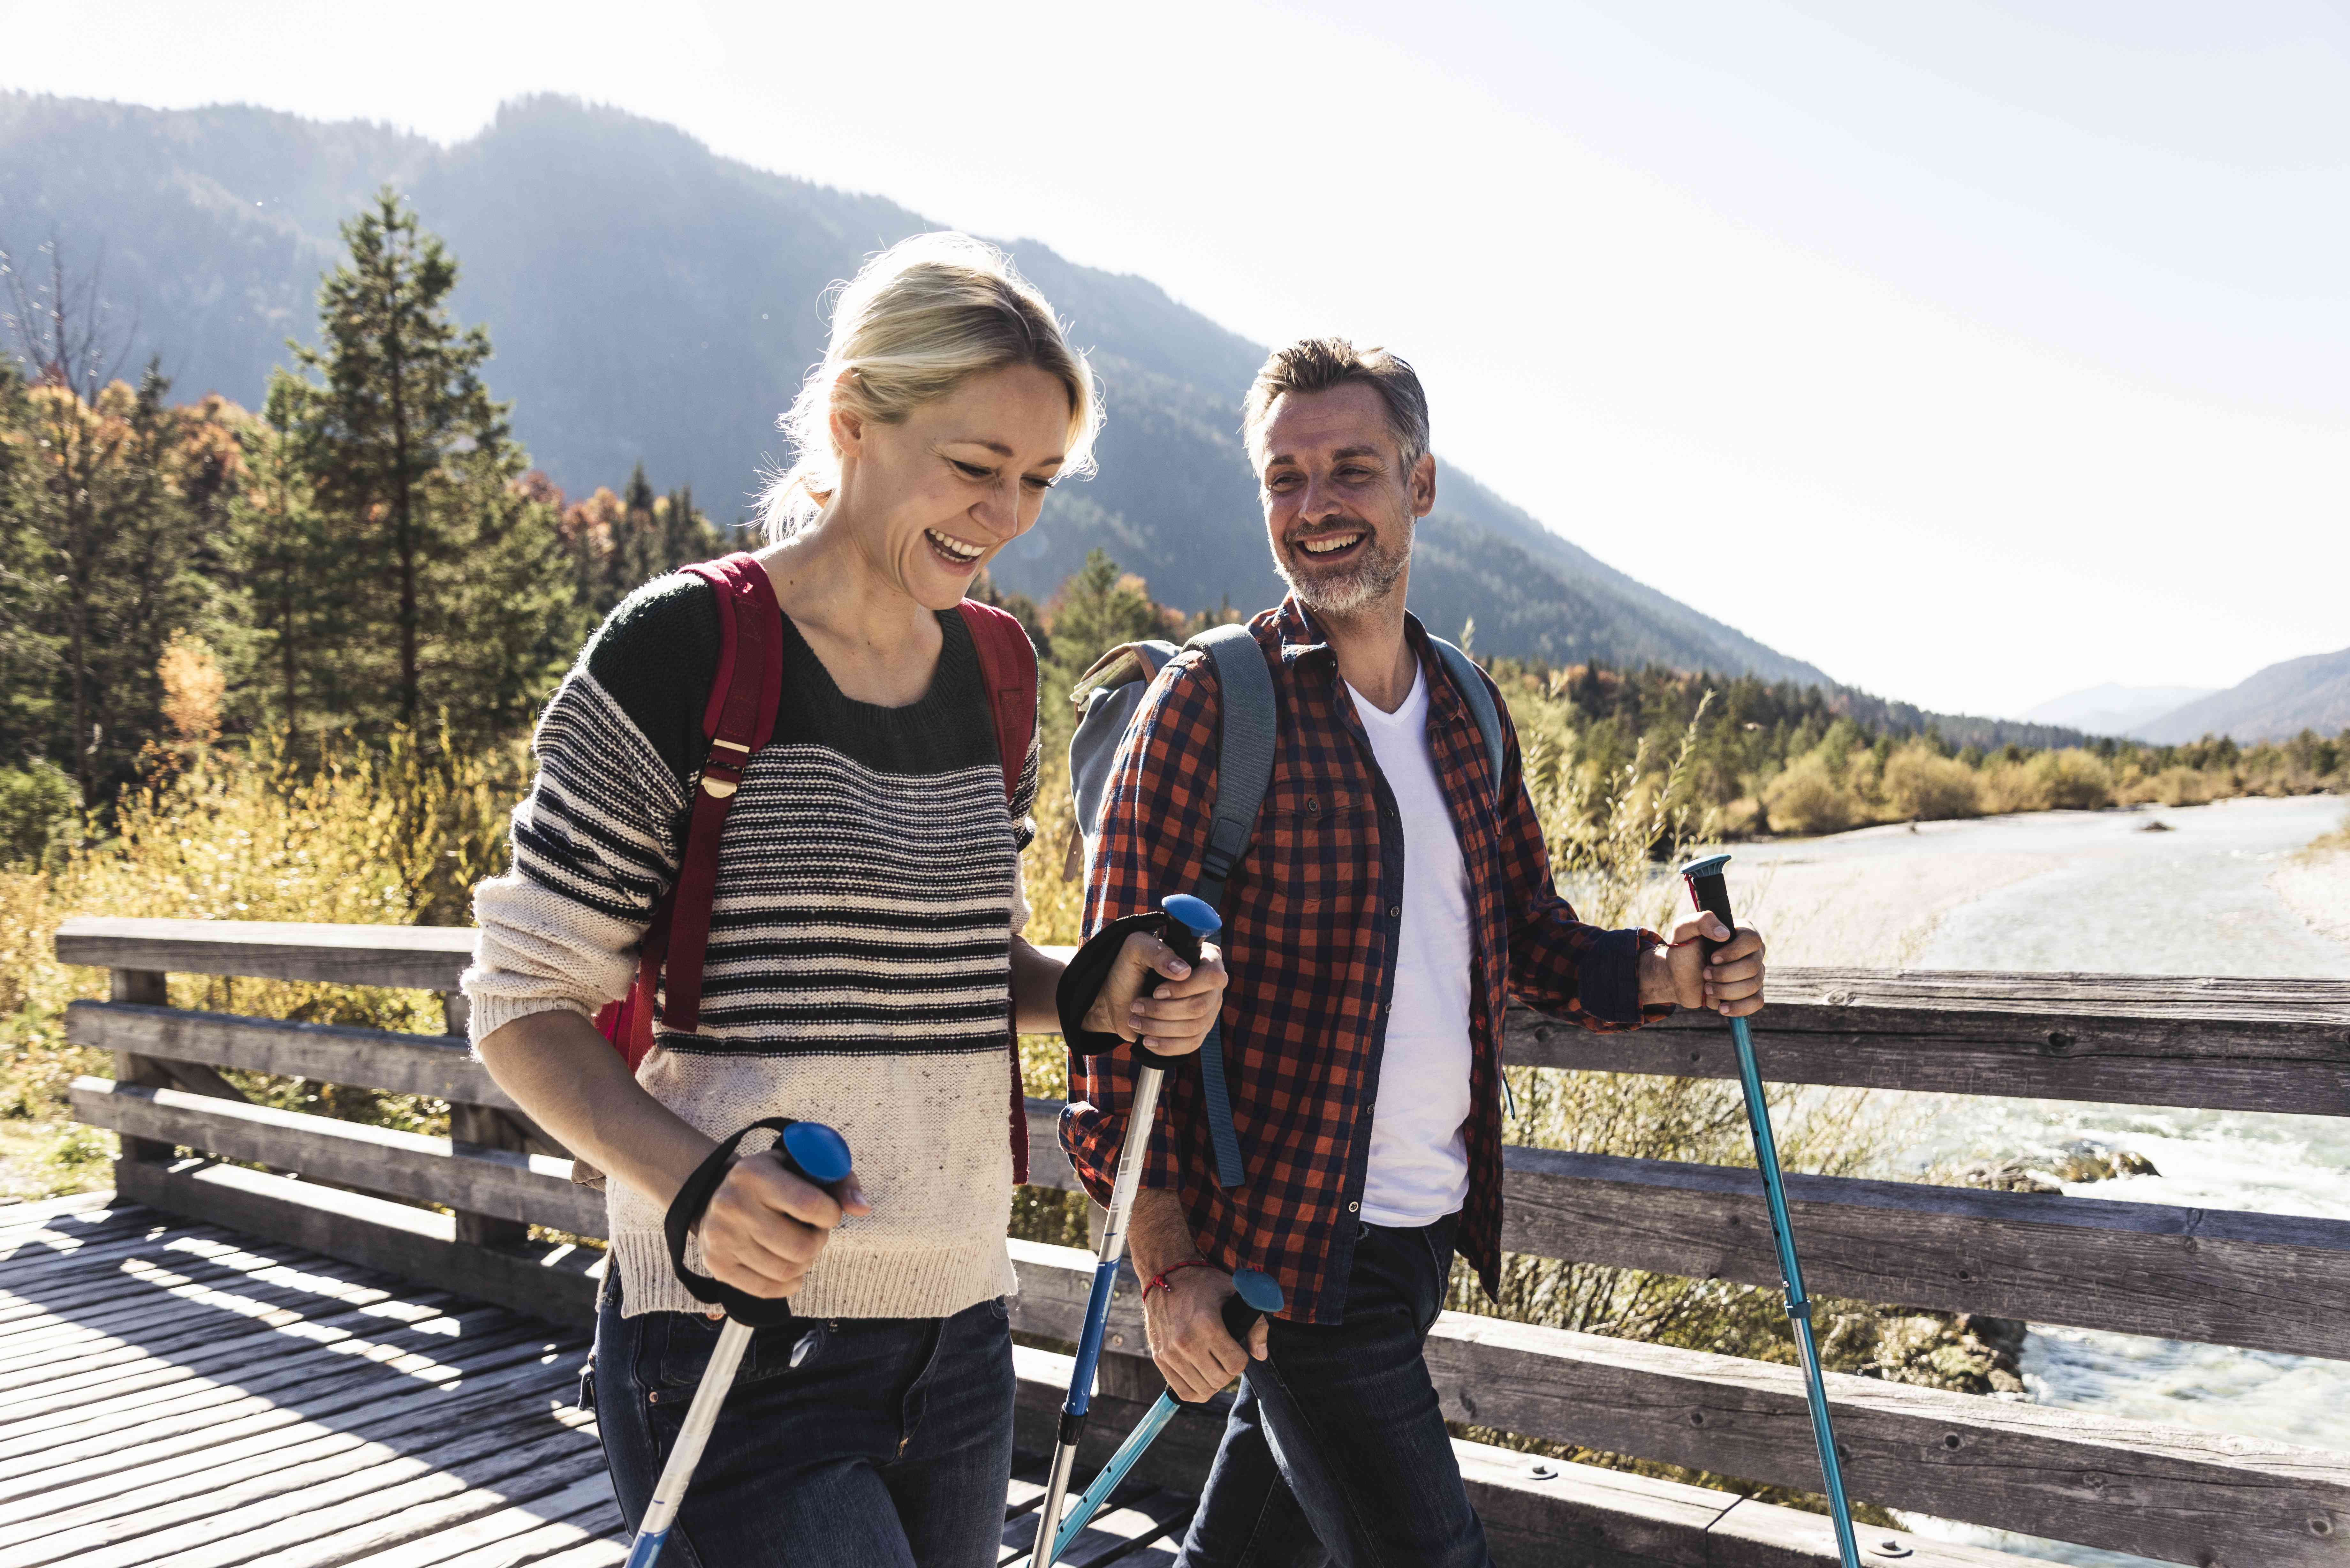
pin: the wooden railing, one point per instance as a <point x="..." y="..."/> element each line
<point x="2264" y="1281"/>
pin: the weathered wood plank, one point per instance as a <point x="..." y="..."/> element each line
<point x="509" y="1186"/>
<point x="59" y="1524"/>
<point x="2170" y="1492"/>
<point x="2263" y="1281"/>
<point x="555" y="1284"/>
<point x="2266" y="1281"/>
<point x="567" y="1518"/>
<point x="151" y="1461"/>
<point x="422" y="958"/>
<point x="328" y="1054"/>
<point x="433" y="1350"/>
<point x="2223" y="1043"/>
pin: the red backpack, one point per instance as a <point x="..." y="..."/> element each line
<point x="739" y="721"/>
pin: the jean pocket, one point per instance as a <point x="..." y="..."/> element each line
<point x="692" y="1339"/>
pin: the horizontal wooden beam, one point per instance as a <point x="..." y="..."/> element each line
<point x="324" y="1052"/>
<point x="557" y="1284"/>
<point x="2267" y="1281"/>
<point x="2224" y="1043"/>
<point x="2177" y="1493"/>
<point x="422" y="958"/>
<point x="496" y="1182"/>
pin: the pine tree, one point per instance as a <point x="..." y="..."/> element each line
<point x="400" y="401"/>
<point x="447" y="558"/>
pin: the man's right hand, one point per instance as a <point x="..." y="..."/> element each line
<point x="765" y="1228"/>
<point x="1187" y="1339"/>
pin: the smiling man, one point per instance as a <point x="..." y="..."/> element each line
<point x="1394" y="895"/>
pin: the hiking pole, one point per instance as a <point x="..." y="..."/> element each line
<point x="1710" y="893"/>
<point x="1258" y="1294"/>
<point x="809" y="1150"/>
<point x="1187" y="922"/>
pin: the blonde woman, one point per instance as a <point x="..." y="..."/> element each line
<point x="864" y="949"/>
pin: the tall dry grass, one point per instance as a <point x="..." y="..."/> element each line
<point x="231" y="832"/>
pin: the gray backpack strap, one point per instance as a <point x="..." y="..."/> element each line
<point x="1470" y="684"/>
<point x="1244" y="751"/>
<point x="1243" y="770"/>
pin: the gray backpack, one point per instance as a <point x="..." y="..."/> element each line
<point x="1108" y="696"/>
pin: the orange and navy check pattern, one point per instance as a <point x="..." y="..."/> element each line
<point x="1312" y="916"/>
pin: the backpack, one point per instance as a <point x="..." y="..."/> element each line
<point x="1108" y="696"/>
<point x="739" y="721"/>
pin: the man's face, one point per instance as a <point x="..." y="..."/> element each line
<point x="1339" y="504"/>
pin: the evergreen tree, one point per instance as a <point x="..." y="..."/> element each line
<point x="447" y="563"/>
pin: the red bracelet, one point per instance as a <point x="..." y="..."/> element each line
<point x="1159" y="1281"/>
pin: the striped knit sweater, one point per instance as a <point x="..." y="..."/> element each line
<point x="858" y="971"/>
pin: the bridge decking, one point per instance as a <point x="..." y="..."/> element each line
<point x="177" y="1394"/>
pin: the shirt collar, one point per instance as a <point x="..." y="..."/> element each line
<point x="1301" y="639"/>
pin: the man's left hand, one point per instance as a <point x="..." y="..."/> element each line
<point x="1154" y="996"/>
<point x="1680" y="976"/>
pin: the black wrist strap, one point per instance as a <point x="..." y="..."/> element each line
<point x="1088" y="971"/>
<point x="686" y="1211"/>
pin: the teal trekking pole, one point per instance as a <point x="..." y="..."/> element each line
<point x="1710" y="893"/>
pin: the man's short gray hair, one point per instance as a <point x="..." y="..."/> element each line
<point x="1318" y="363"/>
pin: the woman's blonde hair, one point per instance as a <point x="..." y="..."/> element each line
<point x="915" y="322"/>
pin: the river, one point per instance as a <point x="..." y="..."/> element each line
<point x="2219" y="889"/>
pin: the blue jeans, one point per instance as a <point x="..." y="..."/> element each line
<point x="844" y="1443"/>
<point x="1336" y="1443"/>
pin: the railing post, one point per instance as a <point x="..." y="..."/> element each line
<point x="146" y="987"/>
<point x="479" y="1128"/>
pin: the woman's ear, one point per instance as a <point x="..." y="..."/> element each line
<point x="846" y="425"/>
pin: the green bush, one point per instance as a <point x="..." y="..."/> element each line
<point x="37" y="806"/>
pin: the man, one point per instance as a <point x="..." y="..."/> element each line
<point x="1390" y="902"/>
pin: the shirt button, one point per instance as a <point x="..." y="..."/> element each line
<point x="1354" y="1208"/>
<point x="1394" y="911"/>
<point x="1311" y="805"/>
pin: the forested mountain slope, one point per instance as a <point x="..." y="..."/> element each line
<point x="649" y="299"/>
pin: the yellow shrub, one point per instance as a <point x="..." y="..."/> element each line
<point x="1923" y="786"/>
<point x="2180" y="785"/>
<point x="1807" y="799"/>
<point x="2073" y="780"/>
<point x="2008" y="786"/>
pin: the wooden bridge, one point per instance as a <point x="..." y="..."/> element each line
<point x="356" y="1353"/>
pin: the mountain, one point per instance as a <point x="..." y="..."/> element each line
<point x="2111" y="710"/>
<point x="649" y="299"/>
<point x="2277" y="704"/>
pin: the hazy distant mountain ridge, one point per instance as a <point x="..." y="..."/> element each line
<point x="2113" y="710"/>
<point x="2274" y="704"/>
<point x="649" y="299"/>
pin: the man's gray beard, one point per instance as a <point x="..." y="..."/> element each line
<point x="1371" y="581"/>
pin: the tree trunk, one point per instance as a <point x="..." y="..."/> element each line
<point x="403" y="523"/>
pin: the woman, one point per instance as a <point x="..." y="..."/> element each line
<point x="864" y="947"/>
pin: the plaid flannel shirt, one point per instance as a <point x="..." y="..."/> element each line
<point x="1312" y="917"/>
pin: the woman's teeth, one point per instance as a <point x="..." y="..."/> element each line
<point x="953" y="549"/>
<point x="1330" y="545"/>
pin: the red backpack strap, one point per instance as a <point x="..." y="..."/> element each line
<point x="1007" y="666"/>
<point x="1007" y="663"/>
<point x="739" y="721"/>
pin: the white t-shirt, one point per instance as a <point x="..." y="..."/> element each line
<point x="1418" y="1169"/>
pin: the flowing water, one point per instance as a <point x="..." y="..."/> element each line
<point x="2096" y="891"/>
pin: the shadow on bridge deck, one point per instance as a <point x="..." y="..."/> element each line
<point x="177" y="1394"/>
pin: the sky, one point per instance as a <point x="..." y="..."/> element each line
<point x="1975" y="352"/>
